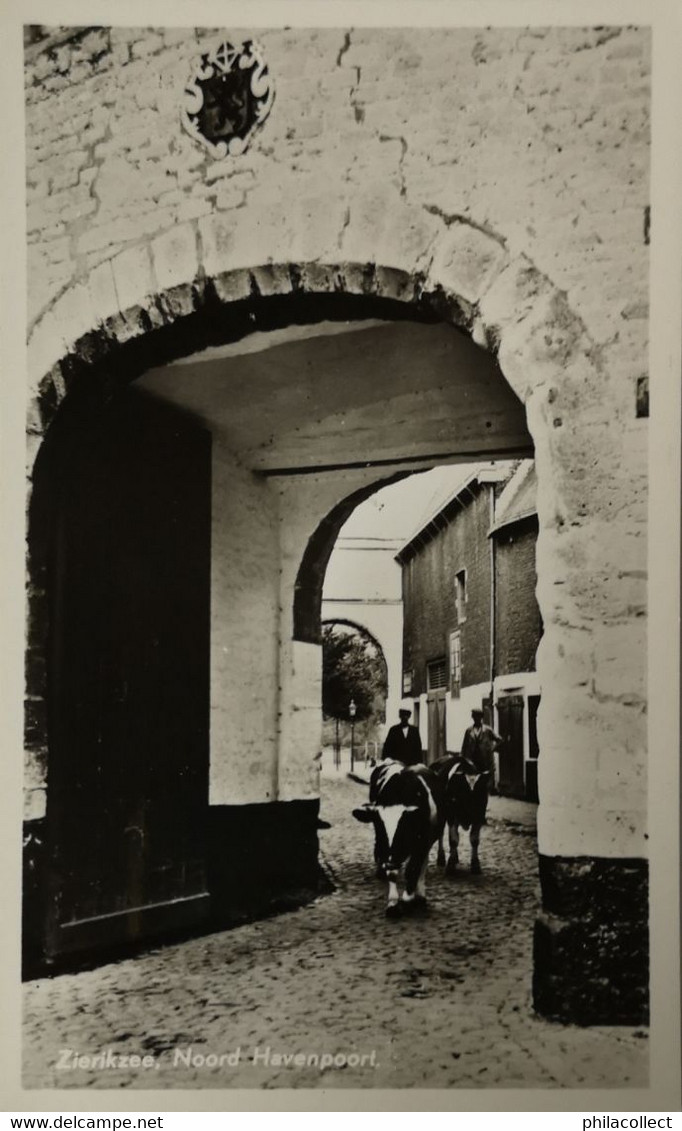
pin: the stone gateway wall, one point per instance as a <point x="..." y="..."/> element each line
<point x="495" y="180"/>
<point x="540" y="135"/>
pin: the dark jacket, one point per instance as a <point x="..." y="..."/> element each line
<point x="407" y="750"/>
<point x="479" y="748"/>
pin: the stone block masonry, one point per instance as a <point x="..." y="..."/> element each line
<point x="535" y="107"/>
<point x="592" y="941"/>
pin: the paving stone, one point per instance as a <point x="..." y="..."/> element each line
<point x="441" y="1001"/>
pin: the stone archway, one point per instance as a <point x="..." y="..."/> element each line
<point x="207" y="282"/>
<point x="362" y="632"/>
<point x="383" y="623"/>
<point x="311" y="573"/>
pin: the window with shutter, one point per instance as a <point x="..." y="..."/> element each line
<point x="455" y="663"/>
<point x="461" y="595"/>
<point x="436" y="675"/>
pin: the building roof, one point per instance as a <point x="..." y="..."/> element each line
<point x="518" y="499"/>
<point x="443" y="507"/>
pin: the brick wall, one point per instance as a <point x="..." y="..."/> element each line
<point x="429" y="595"/>
<point x="518" y="623"/>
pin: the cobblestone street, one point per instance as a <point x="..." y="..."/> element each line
<point x="436" y="1001"/>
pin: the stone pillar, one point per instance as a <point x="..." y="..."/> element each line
<point x="244" y="636"/>
<point x="300" y="721"/>
<point x="591" y="938"/>
<point x="262" y="840"/>
<point x="591" y="942"/>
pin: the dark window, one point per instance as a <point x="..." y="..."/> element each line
<point x="455" y="663"/>
<point x="436" y="675"/>
<point x="461" y="595"/>
<point x="533" y="704"/>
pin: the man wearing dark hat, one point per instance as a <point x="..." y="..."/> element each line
<point x="479" y="745"/>
<point x="403" y="741"/>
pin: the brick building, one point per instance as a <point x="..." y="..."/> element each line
<point x="471" y="620"/>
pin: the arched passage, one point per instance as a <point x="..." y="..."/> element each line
<point x="360" y="629"/>
<point x="190" y="290"/>
<point x="370" y="697"/>
<point x="311" y="574"/>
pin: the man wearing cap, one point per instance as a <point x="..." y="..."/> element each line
<point x="403" y="741"/>
<point x="479" y="745"/>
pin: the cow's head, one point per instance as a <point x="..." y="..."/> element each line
<point x="398" y="828"/>
<point x="465" y="772"/>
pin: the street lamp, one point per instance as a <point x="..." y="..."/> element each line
<point x="351" y="711"/>
<point x="337" y="746"/>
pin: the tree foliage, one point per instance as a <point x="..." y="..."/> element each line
<point x="353" y="667"/>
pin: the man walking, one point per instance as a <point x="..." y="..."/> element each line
<point x="479" y="745"/>
<point x="403" y="741"/>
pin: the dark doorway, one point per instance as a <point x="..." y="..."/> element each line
<point x="533" y="749"/>
<point x="128" y="576"/>
<point x="510" y="715"/>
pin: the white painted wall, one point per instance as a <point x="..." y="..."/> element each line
<point x="244" y="647"/>
<point x="458" y="709"/>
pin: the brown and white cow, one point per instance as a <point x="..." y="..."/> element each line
<point x="465" y="804"/>
<point x="406" y="811"/>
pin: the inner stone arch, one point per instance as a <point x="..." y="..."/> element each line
<point x="358" y="628"/>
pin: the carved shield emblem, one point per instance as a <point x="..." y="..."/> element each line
<point x="228" y="97"/>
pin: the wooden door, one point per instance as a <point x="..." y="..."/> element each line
<point x="510" y="727"/>
<point x="437" y="743"/>
<point x="128" y="677"/>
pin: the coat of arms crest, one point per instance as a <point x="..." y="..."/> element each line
<point x="228" y="97"/>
